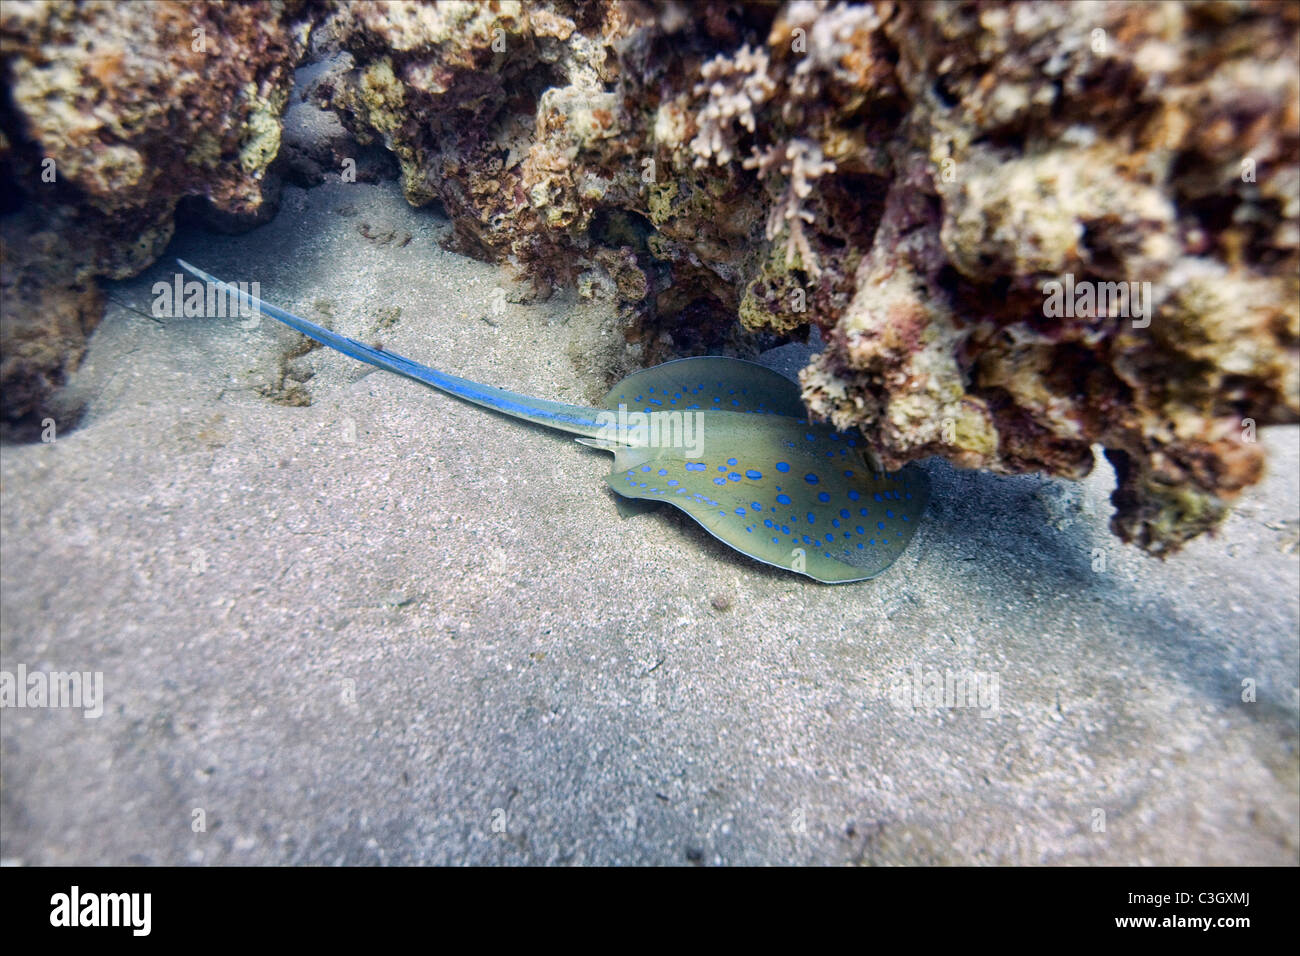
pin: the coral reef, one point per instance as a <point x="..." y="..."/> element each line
<point x="912" y="179"/>
<point x="1073" y="143"/>
<point x="928" y="184"/>
<point x="113" y="114"/>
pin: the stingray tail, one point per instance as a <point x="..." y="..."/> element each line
<point x="348" y="346"/>
<point x="570" y="418"/>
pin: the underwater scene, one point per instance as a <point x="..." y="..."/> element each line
<point x="617" y="432"/>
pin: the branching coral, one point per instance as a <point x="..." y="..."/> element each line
<point x="800" y="162"/>
<point x="827" y="40"/>
<point x="735" y="85"/>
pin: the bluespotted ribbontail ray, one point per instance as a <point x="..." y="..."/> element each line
<point x="724" y="440"/>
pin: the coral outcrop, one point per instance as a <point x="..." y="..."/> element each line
<point x="914" y="179"/>
<point x="114" y="113"/>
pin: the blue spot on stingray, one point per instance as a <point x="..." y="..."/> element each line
<point x="864" y="512"/>
<point x="663" y="472"/>
<point x="835" y="436"/>
<point x="859" y="544"/>
<point x="753" y="475"/>
<point x="908" y="495"/>
<point x="734" y="476"/>
<point x="823" y="497"/>
<point x="756" y="506"/>
<point x="716" y="399"/>
<point x="859" y="530"/>
<point x="767" y="522"/>
<point x="731" y="461"/>
<point x="775" y="540"/>
<point x="655" y="401"/>
<point x="782" y="466"/>
<point x="835" y="522"/>
<point x="719" y="481"/>
<point x="880" y="526"/>
<point x="645" y="467"/>
<point x="853" y="495"/>
<point x="695" y="466"/>
<point x="888" y="513"/>
<point x="811" y="478"/>
<point x="638" y="398"/>
<point x="741" y="512"/>
<point x="807" y="540"/>
<point x="785" y="529"/>
<point x="844" y="512"/>
<point x="817" y="544"/>
<point x="812" y="518"/>
<point x="722" y="468"/>
<point x="904" y="517"/>
<point x="872" y="541"/>
<point x="848" y="474"/>
<point x="852" y="442"/>
<point x="783" y="499"/>
<point x="734" y="402"/>
<point x="829" y="536"/>
<point x="877" y="496"/>
<point x="810" y="436"/>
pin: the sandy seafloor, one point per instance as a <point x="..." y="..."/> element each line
<point x="392" y="628"/>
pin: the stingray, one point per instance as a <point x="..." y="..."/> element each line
<point x="724" y="440"/>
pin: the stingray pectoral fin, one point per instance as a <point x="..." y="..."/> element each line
<point x="627" y="507"/>
<point x="708" y="383"/>
<point x="852" y="535"/>
<point x="633" y="507"/>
